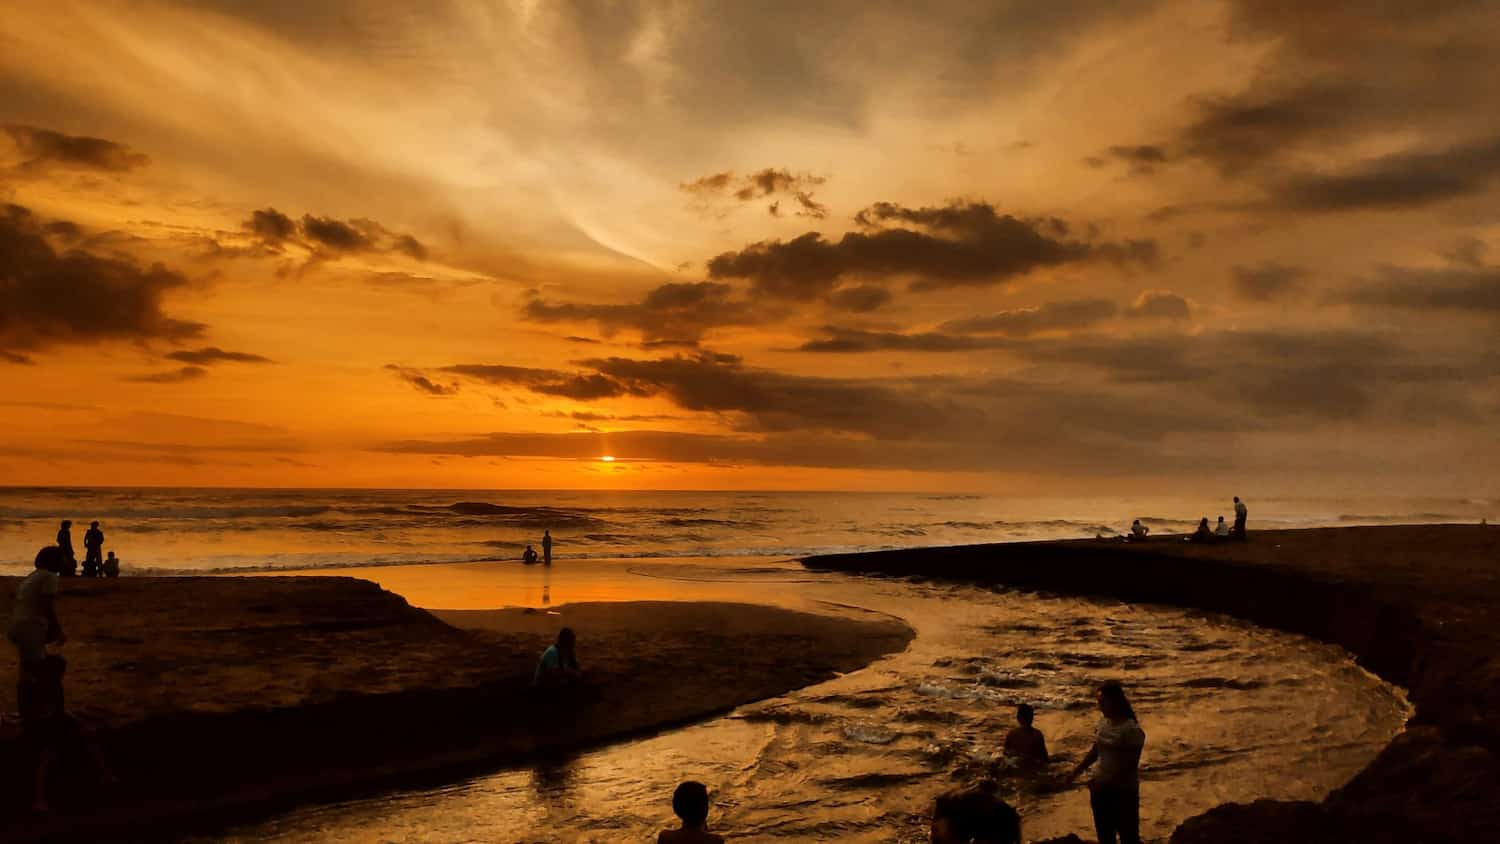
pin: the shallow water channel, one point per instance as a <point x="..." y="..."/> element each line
<point x="1232" y="713"/>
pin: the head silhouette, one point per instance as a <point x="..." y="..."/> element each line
<point x="93" y="524"/>
<point x="50" y="558"/>
<point x="66" y="523"/>
<point x="1203" y="523"/>
<point x="1025" y="714"/>
<point x="1113" y="703"/>
<point x="690" y="802"/>
<point x="566" y="640"/>
<point x="1236" y="499"/>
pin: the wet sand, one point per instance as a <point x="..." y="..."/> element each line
<point x="1417" y="605"/>
<point x="222" y="697"/>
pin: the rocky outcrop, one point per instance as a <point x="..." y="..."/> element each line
<point x="1417" y="605"/>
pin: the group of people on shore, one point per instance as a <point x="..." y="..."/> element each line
<point x="975" y="814"/>
<point x="1222" y="531"/>
<point x="95" y="564"/>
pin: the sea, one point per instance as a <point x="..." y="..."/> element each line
<point x="167" y="530"/>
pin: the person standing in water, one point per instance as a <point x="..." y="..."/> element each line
<point x="1114" y="792"/>
<point x="93" y="551"/>
<point x="1241" y="512"/>
<point x="547" y="547"/>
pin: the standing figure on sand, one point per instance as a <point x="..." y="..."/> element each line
<point x="1114" y="792"/>
<point x="547" y="547"/>
<point x="1241" y="512"/>
<point x="65" y="543"/>
<point x="93" y="551"/>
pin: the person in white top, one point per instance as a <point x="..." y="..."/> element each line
<point x="1221" y="529"/>
<point x="1115" y="795"/>
<point x="1240" y="513"/>
<point x="33" y="618"/>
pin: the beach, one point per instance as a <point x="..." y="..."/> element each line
<point x="1417" y="605"/>
<point x="220" y="696"/>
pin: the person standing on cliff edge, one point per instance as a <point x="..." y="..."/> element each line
<point x="547" y="547"/>
<point x="1240" y="513"/>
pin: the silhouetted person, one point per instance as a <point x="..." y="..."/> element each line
<point x="1114" y="792"/>
<point x="1204" y="533"/>
<point x="690" y="804"/>
<point x="93" y="550"/>
<point x="547" y="547"/>
<point x="111" y="565"/>
<point x="974" y="814"/>
<point x="559" y="663"/>
<point x="50" y="731"/>
<point x="1221" y="530"/>
<point x="65" y="542"/>
<point x="1025" y="743"/>
<point x="33" y="617"/>
<point x="1138" y="532"/>
<point x="529" y="555"/>
<point x="1241" y="512"/>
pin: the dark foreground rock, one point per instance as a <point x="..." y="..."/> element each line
<point x="1417" y="605"/>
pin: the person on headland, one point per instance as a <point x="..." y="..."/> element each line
<point x="1241" y="512"/>
<point x="93" y="550"/>
<point x="1114" y="792"/>
<point x="65" y="542"/>
<point x="690" y="804"/>
<point x="1204" y="533"/>
<point x="111" y="565"/>
<point x="529" y="555"/>
<point x="974" y="815"/>
<point x="50" y="731"/>
<point x="33" y="617"/>
<point x="559" y="663"/>
<point x="1138" y="532"/>
<point x="547" y="547"/>
<point x="1221" y="530"/>
<point x="1026" y="743"/>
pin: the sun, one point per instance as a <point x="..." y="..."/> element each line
<point x="608" y="458"/>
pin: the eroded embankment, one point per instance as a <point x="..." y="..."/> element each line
<point x="1417" y="605"/>
<point x="220" y="698"/>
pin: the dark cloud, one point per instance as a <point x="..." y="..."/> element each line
<point x="550" y="382"/>
<point x="1403" y="180"/>
<point x="769" y="182"/>
<point x="329" y="237"/>
<point x="1050" y="316"/>
<point x="75" y="296"/>
<point x="849" y="340"/>
<point x="809" y="207"/>
<point x="1266" y="282"/>
<point x="677" y="311"/>
<point x="44" y="148"/>
<point x="1160" y="304"/>
<point x="175" y="376"/>
<point x="1474" y="291"/>
<point x="860" y="299"/>
<point x="965" y="243"/>
<point x="1242" y="131"/>
<point x="1142" y="159"/>
<point x="16" y="358"/>
<point x="209" y="355"/>
<point x="420" y="381"/>
<point x="714" y="183"/>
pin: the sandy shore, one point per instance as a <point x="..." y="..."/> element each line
<point x="1417" y="605"/>
<point x="219" y="698"/>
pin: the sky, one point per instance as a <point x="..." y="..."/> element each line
<point x="1070" y="248"/>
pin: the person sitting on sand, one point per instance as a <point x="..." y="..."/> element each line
<point x="1138" y="532"/>
<point x="1025" y="743"/>
<point x="33" y="617"/>
<point x="974" y="815"/>
<point x="690" y="804"/>
<point x="529" y="555"/>
<point x="111" y="565"/>
<point x="559" y="663"/>
<point x="1221" y="530"/>
<point x="50" y="731"/>
<point x="1204" y="533"/>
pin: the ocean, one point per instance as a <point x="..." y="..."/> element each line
<point x="164" y="530"/>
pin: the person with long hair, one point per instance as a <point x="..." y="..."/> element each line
<point x="1114" y="792"/>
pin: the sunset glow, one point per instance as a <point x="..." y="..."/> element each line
<point x="459" y="244"/>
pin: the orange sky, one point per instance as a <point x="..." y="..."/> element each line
<point x="993" y="246"/>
